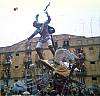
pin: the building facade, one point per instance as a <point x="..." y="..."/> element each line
<point x="90" y="46"/>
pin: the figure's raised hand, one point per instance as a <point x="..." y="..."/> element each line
<point x="37" y="16"/>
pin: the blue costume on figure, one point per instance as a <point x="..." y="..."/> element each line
<point x="45" y="31"/>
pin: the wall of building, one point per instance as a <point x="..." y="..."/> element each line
<point x="92" y="62"/>
<point x="91" y="48"/>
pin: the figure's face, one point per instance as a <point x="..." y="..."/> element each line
<point x="42" y="17"/>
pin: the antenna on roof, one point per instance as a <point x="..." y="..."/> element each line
<point x="91" y="21"/>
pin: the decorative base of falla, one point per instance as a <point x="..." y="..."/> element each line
<point x="60" y="69"/>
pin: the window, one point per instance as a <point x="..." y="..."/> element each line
<point x="90" y="41"/>
<point x="16" y="66"/>
<point x="99" y="56"/>
<point x="94" y="78"/>
<point x="92" y="62"/>
<point x="79" y="42"/>
<point x="0" y="59"/>
<point x="17" y="54"/>
<point x="90" y="48"/>
<point x="65" y="44"/>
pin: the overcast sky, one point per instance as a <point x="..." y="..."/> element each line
<point x="75" y="17"/>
